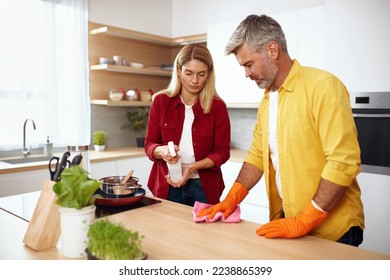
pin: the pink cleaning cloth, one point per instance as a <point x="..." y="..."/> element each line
<point x="198" y="206"/>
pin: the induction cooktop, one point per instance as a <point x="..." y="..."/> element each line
<point x="103" y="211"/>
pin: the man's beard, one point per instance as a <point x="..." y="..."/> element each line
<point x="271" y="74"/>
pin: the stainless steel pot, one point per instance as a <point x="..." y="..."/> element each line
<point x="113" y="185"/>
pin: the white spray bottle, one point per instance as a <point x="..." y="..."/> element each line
<point x="174" y="169"/>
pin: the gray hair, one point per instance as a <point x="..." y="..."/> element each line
<point x="256" y="31"/>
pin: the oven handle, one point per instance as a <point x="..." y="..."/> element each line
<point x="371" y="115"/>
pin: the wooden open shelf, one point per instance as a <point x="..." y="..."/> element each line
<point x="153" y="71"/>
<point x="148" y="49"/>
<point x="140" y="36"/>
<point x="126" y="103"/>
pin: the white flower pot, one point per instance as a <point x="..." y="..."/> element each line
<point x="74" y="229"/>
<point x="100" y="148"/>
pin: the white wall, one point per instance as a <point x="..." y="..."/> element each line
<point x="150" y="16"/>
<point x="357" y="41"/>
<point x="175" y="18"/>
<point x="350" y="43"/>
<point x="346" y="37"/>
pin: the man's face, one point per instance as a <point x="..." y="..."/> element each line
<point x="258" y="66"/>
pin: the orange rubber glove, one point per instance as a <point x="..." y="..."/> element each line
<point x="293" y="227"/>
<point x="236" y="194"/>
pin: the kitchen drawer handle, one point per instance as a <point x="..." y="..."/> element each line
<point x="371" y="115"/>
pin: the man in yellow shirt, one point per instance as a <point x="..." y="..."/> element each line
<point x="304" y="142"/>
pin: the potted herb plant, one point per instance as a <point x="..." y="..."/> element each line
<point x="99" y="139"/>
<point x="110" y="241"/>
<point x="77" y="209"/>
<point x="138" y="121"/>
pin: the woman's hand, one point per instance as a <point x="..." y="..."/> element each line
<point x="169" y="159"/>
<point x="186" y="172"/>
<point x="166" y="155"/>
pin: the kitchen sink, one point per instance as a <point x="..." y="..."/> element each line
<point x="35" y="158"/>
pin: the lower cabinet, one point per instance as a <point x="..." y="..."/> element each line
<point x="103" y="169"/>
<point x="32" y="181"/>
<point x="254" y="207"/>
<point x="375" y="196"/>
<point x="23" y="182"/>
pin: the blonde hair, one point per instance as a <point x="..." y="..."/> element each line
<point x="187" y="53"/>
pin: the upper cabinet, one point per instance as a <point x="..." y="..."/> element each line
<point x="151" y="51"/>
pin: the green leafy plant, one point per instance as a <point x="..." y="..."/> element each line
<point x="109" y="241"/>
<point x="137" y="120"/>
<point x="99" y="137"/>
<point x="75" y="189"/>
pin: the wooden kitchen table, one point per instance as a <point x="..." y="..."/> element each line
<point x="171" y="234"/>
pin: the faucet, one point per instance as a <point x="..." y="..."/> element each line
<point x="25" y="151"/>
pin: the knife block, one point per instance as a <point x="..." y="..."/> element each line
<point x="44" y="230"/>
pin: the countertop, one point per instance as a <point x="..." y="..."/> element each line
<point x="171" y="234"/>
<point x="107" y="155"/>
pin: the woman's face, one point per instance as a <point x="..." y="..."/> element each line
<point x="193" y="76"/>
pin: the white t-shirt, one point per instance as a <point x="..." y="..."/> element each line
<point x="186" y="152"/>
<point x="273" y="143"/>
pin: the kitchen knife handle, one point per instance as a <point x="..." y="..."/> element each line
<point x="61" y="166"/>
<point x="76" y="160"/>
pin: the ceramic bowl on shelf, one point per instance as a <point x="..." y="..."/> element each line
<point x="116" y="95"/>
<point x="133" y="95"/>
<point x="106" y="60"/>
<point x="136" y="65"/>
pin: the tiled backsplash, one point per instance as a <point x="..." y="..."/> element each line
<point x="112" y="118"/>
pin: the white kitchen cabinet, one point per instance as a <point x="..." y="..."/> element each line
<point x="323" y="37"/>
<point x="103" y="169"/>
<point x="255" y="206"/>
<point x="23" y="182"/>
<point x="141" y="167"/>
<point x="22" y="205"/>
<point x="30" y="181"/>
<point x="375" y="195"/>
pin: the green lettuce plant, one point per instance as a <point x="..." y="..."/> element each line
<point x="75" y="189"/>
<point x="109" y="241"/>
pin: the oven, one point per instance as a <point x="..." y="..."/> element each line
<point x="371" y="111"/>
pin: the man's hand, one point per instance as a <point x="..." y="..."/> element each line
<point x="236" y="194"/>
<point x="293" y="227"/>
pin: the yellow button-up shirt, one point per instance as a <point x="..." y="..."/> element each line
<point x="316" y="138"/>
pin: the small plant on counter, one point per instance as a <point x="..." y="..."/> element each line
<point x="109" y="241"/>
<point x="75" y="189"/>
<point x="99" y="137"/>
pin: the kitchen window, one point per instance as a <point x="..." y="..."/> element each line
<point x="44" y="73"/>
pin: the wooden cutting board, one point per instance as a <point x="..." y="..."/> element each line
<point x="44" y="230"/>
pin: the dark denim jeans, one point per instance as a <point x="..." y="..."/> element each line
<point x="189" y="193"/>
<point x="354" y="237"/>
